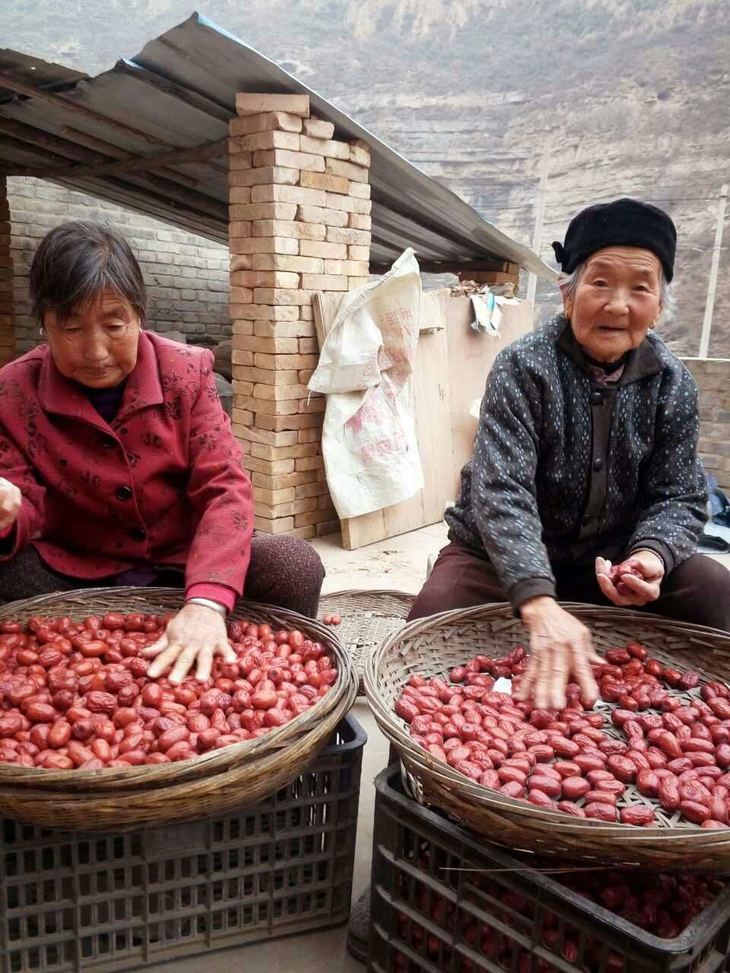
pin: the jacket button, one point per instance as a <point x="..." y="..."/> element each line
<point x="598" y="464"/>
<point x="108" y="443"/>
<point x="124" y="493"/>
<point x="596" y="398"/>
<point x="138" y="534"/>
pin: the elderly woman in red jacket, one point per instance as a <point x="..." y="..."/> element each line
<point x="118" y="465"/>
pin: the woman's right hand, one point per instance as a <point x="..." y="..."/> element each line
<point x="560" y="646"/>
<point x="10" y="500"/>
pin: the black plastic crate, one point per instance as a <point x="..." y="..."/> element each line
<point x="434" y="884"/>
<point x="103" y="902"/>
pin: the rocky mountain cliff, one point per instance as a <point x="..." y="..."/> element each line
<point x="628" y="97"/>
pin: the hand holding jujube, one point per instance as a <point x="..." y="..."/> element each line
<point x="636" y="581"/>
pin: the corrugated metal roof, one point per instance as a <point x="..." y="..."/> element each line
<point x="179" y="93"/>
<point x="35" y="71"/>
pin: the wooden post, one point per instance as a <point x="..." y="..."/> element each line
<point x="7" y="314"/>
<point x="714" y="267"/>
<point x="299" y="223"/>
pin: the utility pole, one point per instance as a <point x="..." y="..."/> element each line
<point x="714" y="267"/>
<point x="539" y="216"/>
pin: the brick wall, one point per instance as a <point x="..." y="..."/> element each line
<point x="713" y="378"/>
<point x="186" y="275"/>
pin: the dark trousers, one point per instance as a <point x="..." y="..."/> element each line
<point x="697" y="591"/>
<point x="284" y="571"/>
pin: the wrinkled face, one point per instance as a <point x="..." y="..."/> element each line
<point x="617" y="299"/>
<point x="97" y="344"/>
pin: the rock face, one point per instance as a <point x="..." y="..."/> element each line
<point x="629" y="98"/>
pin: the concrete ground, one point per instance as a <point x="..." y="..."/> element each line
<point x="398" y="563"/>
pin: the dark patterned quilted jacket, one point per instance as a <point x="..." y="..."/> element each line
<point x="565" y="468"/>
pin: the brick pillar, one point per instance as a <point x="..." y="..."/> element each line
<point x="7" y="314"/>
<point x="299" y="224"/>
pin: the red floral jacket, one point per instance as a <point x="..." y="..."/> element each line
<point x="162" y="485"/>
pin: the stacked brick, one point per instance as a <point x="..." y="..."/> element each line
<point x="299" y="224"/>
<point x="7" y="319"/>
<point x="713" y="378"/>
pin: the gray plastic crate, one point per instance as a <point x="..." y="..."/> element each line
<point x="434" y="881"/>
<point x="103" y="902"/>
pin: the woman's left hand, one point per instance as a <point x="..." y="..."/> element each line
<point x="194" y="635"/>
<point x="641" y="590"/>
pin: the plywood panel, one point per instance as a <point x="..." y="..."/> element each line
<point x="325" y="306"/>
<point x="432" y="397"/>
<point x="452" y="364"/>
<point x="431" y="403"/>
<point x="471" y="356"/>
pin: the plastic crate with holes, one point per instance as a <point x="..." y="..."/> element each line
<point x="102" y="902"/>
<point x="446" y="901"/>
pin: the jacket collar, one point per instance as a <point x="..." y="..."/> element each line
<point x="640" y="362"/>
<point x="143" y="387"/>
<point x="64" y="397"/>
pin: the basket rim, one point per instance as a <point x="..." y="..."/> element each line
<point x="477" y="793"/>
<point x="397" y="592"/>
<point x="406" y="597"/>
<point x="207" y="764"/>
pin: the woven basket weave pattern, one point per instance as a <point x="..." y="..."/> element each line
<point x="368" y="619"/>
<point x="433" y="645"/>
<point x="213" y="783"/>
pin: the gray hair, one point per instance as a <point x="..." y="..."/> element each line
<point x="568" y="284"/>
<point x="75" y="262"/>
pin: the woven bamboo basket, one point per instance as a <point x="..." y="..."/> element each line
<point x="368" y="618"/>
<point x="431" y="646"/>
<point x="212" y="784"/>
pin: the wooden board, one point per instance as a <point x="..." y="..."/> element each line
<point x="325" y="305"/>
<point x="431" y="405"/>
<point x="450" y="371"/>
<point x="471" y="356"/>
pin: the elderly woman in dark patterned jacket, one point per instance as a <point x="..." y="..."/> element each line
<point x="586" y="454"/>
<point x="118" y="465"/>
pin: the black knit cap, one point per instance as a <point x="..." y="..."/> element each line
<point x="622" y="223"/>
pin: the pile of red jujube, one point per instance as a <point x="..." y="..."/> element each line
<point x="676" y="754"/>
<point x="662" y="904"/>
<point x="77" y="695"/>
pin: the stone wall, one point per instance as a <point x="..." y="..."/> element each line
<point x="713" y="378"/>
<point x="186" y="275"/>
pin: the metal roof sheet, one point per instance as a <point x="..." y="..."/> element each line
<point x="179" y="93"/>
